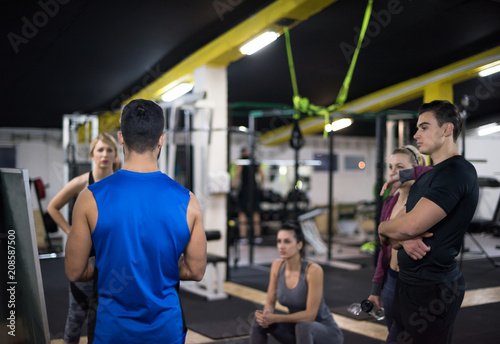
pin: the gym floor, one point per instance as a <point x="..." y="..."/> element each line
<point x="347" y="279"/>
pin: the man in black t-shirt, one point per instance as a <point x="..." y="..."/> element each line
<point x="442" y="201"/>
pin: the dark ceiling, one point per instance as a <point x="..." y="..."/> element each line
<point x="61" y="56"/>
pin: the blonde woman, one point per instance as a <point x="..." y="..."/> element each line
<point x="386" y="273"/>
<point x="104" y="152"/>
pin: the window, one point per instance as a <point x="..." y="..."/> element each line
<point x="325" y="162"/>
<point x="8" y="157"/>
<point x="354" y="162"/>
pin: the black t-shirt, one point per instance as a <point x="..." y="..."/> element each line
<point x="453" y="186"/>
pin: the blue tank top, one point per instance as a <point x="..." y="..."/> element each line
<point x="140" y="234"/>
<point x="296" y="298"/>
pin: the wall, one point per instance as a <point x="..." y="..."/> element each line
<point x="355" y="186"/>
<point x="349" y="186"/>
<point x="482" y="152"/>
<point x="40" y="152"/>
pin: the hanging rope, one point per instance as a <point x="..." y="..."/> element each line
<point x="291" y="66"/>
<point x="302" y="104"/>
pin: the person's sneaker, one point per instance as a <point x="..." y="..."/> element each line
<point x="243" y="241"/>
<point x="257" y="240"/>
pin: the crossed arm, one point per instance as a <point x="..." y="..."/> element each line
<point x="406" y="230"/>
<point x="412" y="224"/>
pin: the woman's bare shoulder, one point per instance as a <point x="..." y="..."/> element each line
<point x="314" y="268"/>
<point x="82" y="181"/>
<point x="276" y="265"/>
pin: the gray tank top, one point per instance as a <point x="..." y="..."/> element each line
<point x="296" y="298"/>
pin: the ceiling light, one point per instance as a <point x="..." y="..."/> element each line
<point x="176" y="92"/>
<point x="259" y="42"/>
<point x="488" y="129"/>
<point x="489" y="71"/>
<point x="338" y="124"/>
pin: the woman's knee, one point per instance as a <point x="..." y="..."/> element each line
<point x="255" y="323"/>
<point x="303" y="327"/>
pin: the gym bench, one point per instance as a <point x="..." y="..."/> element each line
<point x="212" y="285"/>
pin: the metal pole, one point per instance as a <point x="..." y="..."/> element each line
<point x="464" y="122"/>
<point x="296" y="190"/>
<point x="187" y="135"/>
<point x="330" y="197"/>
<point x="228" y="205"/>
<point x="465" y="102"/>
<point x="380" y="134"/>
<point x="251" y="127"/>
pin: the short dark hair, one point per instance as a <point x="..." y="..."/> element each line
<point x="445" y="112"/>
<point x="142" y="124"/>
<point x="294" y="225"/>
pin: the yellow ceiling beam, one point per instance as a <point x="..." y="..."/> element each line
<point x="442" y="91"/>
<point x="437" y="84"/>
<point x="224" y="49"/>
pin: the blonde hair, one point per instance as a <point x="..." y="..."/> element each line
<point x="416" y="158"/>
<point x="107" y="139"/>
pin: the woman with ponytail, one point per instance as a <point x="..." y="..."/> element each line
<point x="298" y="285"/>
<point x="386" y="273"/>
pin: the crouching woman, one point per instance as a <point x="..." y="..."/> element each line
<point x="298" y="285"/>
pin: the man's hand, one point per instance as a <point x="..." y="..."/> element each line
<point x="415" y="247"/>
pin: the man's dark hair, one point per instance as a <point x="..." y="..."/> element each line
<point x="445" y="112"/>
<point x="142" y="124"/>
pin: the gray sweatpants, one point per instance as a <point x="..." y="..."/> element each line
<point x="305" y="332"/>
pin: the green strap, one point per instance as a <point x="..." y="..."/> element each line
<point x="302" y="104"/>
<point x="295" y="89"/>
<point x="342" y="96"/>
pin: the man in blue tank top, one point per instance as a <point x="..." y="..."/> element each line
<point x="148" y="234"/>
<point x="442" y="201"/>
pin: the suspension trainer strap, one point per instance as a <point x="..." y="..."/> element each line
<point x="302" y="104"/>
